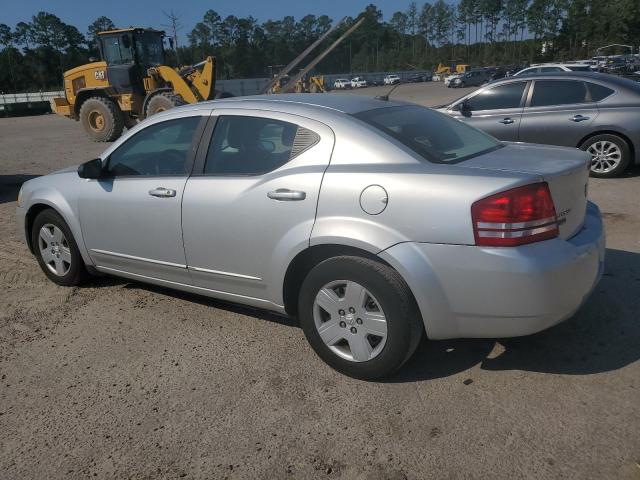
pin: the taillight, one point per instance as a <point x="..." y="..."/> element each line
<point x="515" y="217"/>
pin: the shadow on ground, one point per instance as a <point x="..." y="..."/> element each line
<point x="603" y="335"/>
<point x="10" y="186"/>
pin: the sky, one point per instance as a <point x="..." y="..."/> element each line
<point x="149" y="13"/>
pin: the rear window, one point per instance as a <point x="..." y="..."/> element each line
<point x="434" y="136"/>
<point x="580" y="68"/>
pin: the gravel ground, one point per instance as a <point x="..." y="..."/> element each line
<point x="122" y="380"/>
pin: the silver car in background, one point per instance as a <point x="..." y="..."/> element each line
<point x="595" y="112"/>
<point x="373" y="222"/>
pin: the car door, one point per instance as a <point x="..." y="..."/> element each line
<point x="131" y="217"/>
<point x="252" y="205"/>
<point x="493" y="109"/>
<point x="557" y="112"/>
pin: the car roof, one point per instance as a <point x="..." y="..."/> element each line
<point x="345" y="103"/>
<point x="604" y="78"/>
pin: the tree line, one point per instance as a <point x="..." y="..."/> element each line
<point x="35" y="54"/>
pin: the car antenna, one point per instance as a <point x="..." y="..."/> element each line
<point x="385" y="97"/>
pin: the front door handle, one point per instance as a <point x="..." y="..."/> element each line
<point x="507" y="121"/>
<point x="578" y="118"/>
<point x="162" y="192"/>
<point x="284" y="194"/>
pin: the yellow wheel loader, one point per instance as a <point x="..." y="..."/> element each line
<point x="130" y="83"/>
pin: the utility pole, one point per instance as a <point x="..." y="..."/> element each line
<point x="174" y="26"/>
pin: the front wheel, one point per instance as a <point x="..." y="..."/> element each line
<point x="610" y="155"/>
<point x="359" y="316"/>
<point x="56" y="250"/>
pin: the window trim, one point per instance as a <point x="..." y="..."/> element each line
<point x="189" y="161"/>
<point x="207" y="137"/>
<point x="533" y="88"/>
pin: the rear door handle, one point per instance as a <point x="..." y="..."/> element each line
<point x="578" y="118"/>
<point x="284" y="194"/>
<point x="162" y="192"/>
<point x="507" y="121"/>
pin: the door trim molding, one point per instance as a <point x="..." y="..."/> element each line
<point x="226" y="274"/>
<point x="140" y="259"/>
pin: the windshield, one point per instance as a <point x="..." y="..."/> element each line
<point x="434" y="136"/>
<point x="116" y="49"/>
<point x="149" y="49"/>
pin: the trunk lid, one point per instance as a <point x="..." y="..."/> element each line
<point x="566" y="170"/>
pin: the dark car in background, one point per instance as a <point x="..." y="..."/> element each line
<point x="596" y="112"/>
<point x="472" y="78"/>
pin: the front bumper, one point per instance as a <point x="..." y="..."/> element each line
<point x="469" y="291"/>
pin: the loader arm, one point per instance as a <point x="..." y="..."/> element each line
<point x="196" y="85"/>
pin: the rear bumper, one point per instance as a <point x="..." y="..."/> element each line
<point x="469" y="291"/>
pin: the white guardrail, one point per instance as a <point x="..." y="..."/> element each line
<point x="12" y="98"/>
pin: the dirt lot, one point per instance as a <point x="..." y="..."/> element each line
<point x="122" y="380"/>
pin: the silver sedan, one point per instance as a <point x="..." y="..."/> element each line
<point x="373" y="222"/>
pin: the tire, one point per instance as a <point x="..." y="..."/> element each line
<point x="73" y="271"/>
<point x="388" y="292"/>
<point x="610" y="155"/>
<point x="102" y="119"/>
<point x="163" y="101"/>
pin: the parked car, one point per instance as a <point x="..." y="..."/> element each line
<point x="592" y="111"/>
<point x="341" y="83"/>
<point x="472" y="78"/>
<point x="450" y="78"/>
<point x="371" y="221"/>
<point x="391" y="79"/>
<point x="419" y="78"/>
<point x="553" y="68"/>
<point x="358" y="82"/>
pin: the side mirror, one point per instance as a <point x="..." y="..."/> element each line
<point x="91" y="169"/>
<point x="465" y="108"/>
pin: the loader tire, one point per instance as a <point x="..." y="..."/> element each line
<point x="102" y="119"/>
<point x="163" y="101"/>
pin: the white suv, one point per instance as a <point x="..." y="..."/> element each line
<point x="554" y="67"/>
<point x="391" y="79"/>
<point x="341" y="83"/>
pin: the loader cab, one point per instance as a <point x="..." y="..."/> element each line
<point x="128" y="54"/>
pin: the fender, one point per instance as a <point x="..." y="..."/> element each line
<point x="56" y="201"/>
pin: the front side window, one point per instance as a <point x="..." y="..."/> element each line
<point x="558" y="92"/>
<point x="117" y="49"/>
<point x="500" y="97"/>
<point x="434" y="136"/>
<point x="529" y="71"/>
<point x="149" y="49"/>
<point x="580" y="68"/>
<point x="243" y="145"/>
<point x="158" y="150"/>
<point x="550" y="69"/>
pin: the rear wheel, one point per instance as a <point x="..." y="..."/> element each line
<point x="610" y="155"/>
<point x="102" y="119"/>
<point x="56" y="250"/>
<point x="359" y="316"/>
<point x="163" y="101"/>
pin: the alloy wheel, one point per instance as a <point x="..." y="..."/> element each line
<point x="605" y="156"/>
<point x="350" y="320"/>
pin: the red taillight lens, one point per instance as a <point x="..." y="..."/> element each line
<point x="515" y="217"/>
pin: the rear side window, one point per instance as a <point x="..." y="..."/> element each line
<point x="558" y="92"/>
<point x="434" y="136"/>
<point x="254" y="146"/>
<point x="550" y="69"/>
<point x="599" y="92"/>
<point x="580" y="68"/>
<point x="502" y="96"/>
